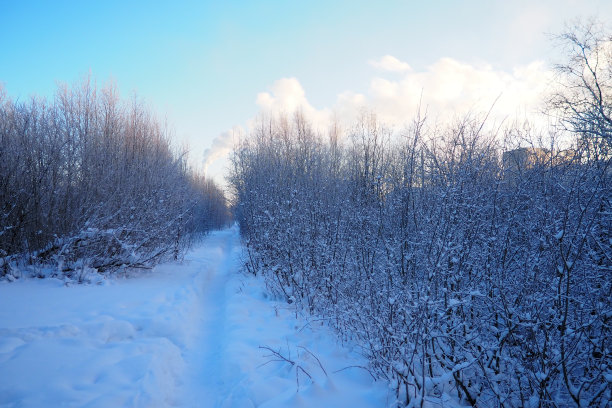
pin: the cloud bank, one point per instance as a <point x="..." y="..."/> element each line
<point x="447" y="88"/>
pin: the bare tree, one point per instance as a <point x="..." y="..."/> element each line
<point x="584" y="101"/>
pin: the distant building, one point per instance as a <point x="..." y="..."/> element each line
<point x="524" y="158"/>
<point x="516" y="162"/>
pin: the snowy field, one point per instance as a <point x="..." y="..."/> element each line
<point x="185" y="335"/>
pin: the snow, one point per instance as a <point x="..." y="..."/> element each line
<point x="187" y="335"/>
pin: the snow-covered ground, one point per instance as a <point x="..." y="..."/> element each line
<point x="186" y="335"/>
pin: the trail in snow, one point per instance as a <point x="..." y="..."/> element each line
<point x="219" y="259"/>
<point x="185" y="335"/>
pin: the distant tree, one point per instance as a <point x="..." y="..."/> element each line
<point x="584" y="99"/>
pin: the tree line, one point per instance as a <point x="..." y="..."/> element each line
<point x="460" y="271"/>
<point x="91" y="181"/>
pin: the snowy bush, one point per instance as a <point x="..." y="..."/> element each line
<point x="92" y="179"/>
<point x="455" y="276"/>
<point x="459" y="273"/>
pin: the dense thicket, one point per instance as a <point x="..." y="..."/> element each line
<point x="461" y="271"/>
<point x="87" y="180"/>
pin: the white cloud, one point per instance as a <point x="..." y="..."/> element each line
<point x="449" y="88"/>
<point x="390" y="63"/>
<point x="287" y="95"/>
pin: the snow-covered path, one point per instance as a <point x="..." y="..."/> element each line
<point x="217" y="260"/>
<point x="185" y="335"/>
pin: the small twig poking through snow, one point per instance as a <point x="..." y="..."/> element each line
<point x="316" y="358"/>
<point x="357" y="366"/>
<point x="278" y="356"/>
<point x="297" y="378"/>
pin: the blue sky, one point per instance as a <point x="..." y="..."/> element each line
<point x="203" y="64"/>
